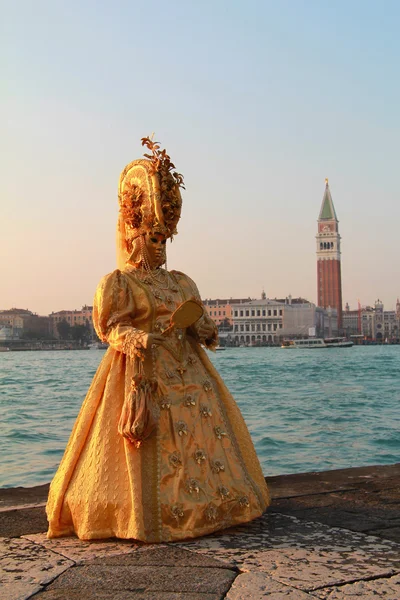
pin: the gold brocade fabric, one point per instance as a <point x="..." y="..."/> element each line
<point x="197" y="473"/>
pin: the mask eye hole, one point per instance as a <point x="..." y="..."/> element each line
<point x="164" y="242"/>
<point x="154" y="240"/>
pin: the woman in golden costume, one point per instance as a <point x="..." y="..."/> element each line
<point x="159" y="451"/>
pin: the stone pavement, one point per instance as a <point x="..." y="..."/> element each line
<point x="331" y="535"/>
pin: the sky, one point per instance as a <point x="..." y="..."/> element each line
<point x="256" y="102"/>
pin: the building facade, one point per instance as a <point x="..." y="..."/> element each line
<point x="72" y="317"/>
<point x="373" y="323"/>
<point x="351" y="320"/>
<point x="329" y="277"/>
<point x="380" y="325"/>
<point x="304" y="319"/>
<point x="220" y="310"/>
<point x="22" y="323"/>
<point x="266" y="321"/>
<point x="257" y="322"/>
<point x="13" y="320"/>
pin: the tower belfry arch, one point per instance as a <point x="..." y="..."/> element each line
<point x="329" y="276"/>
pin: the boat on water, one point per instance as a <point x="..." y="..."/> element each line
<point x="338" y="342"/>
<point x="334" y="342"/>
<point x="220" y="348"/>
<point x="4" y="349"/>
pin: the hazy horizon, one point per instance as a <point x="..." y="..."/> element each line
<point x="256" y="103"/>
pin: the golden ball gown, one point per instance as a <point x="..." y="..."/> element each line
<point x="198" y="472"/>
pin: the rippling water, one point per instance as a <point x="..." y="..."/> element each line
<point x="307" y="410"/>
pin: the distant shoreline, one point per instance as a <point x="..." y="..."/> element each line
<point x="50" y="348"/>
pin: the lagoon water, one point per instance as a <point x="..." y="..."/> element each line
<point x="307" y="410"/>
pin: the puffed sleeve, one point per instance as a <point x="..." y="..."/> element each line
<point x="113" y="314"/>
<point x="212" y="341"/>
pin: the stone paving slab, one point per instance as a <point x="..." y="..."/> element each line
<point x="125" y="595"/>
<point x="163" y="555"/>
<point x="25" y="567"/>
<point x="310" y="570"/>
<point x="337" y="518"/>
<point x="256" y="586"/>
<point x="388" y="588"/>
<point x="303" y="484"/>
<point x="79" y="550"/>
<point x="113" y="552"/>
<point x="134" y="578"/>
<point x="19" y="496"/>
<point x="314" y="543"/>
<point x="281" y="556"/>
<point x="391" y="533"/>
<point x="16" y="522"/>
<point x="303" y="555"/>
<point x="5" y="508"/>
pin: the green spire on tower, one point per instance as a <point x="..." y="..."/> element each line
<point x="327" y="209"/>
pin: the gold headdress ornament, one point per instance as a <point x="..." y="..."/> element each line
<point x="149" y="200"/>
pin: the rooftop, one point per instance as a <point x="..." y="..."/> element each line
<point x="327" y="211"/>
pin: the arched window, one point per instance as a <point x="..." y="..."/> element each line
<point x="321" y="246"/>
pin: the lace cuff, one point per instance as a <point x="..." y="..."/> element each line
<point x="135" y="343"/>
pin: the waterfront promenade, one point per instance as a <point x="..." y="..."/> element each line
<point x="328" y="535"/>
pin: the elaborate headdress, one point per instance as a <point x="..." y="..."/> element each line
<point x="149" y="200"/>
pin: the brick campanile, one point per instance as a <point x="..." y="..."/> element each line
<point x="329" y="278"/>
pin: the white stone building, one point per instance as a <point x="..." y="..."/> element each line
<point x="266" y="321"/>
<point x="257" y="322"/>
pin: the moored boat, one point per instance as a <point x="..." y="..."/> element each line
<point x="310" y="343"/>
<point x="305" y="343"/>
<point x="338" y="342"/>
<point x="288" y="344"/>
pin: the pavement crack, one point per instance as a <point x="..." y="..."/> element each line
<point x="386" y="575"/>
<point x="39" y="545"/>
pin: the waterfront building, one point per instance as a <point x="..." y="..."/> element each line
<point x="220" y="310"/>
<point x="380" y="325"/>
<point x="257" y="321"/>
<point x="266" y="321"/>
<point x="373" y="323"/>
<point x="305" y="319"/>
<point x="72" y="317"/>
<point x="6" y="333"/>
<point x="329" y="278"/>
<point x="23" y="323"/>
<point x="13" y="320"/>
<point x="351" y="321"/>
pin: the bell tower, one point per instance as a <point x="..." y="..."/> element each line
<point x="329" y="277"/>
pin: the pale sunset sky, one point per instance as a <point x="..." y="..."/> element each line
<point x="256" y="102"/>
